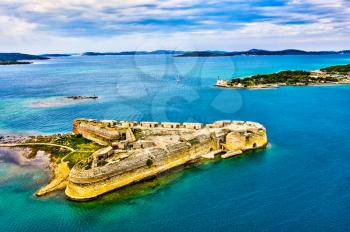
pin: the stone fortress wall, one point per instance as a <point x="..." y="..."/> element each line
<point x="80" y="124"/>
<point x="130" y="165"/>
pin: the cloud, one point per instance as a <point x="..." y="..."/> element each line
<point x="99" y="25"/>
<point x="14" y="27"/>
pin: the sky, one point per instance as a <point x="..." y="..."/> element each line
<point x="73" y="26"/>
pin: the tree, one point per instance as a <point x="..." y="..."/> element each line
<point x="149" y="162"/>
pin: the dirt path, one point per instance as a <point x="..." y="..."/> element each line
<point x="33" y="144"/>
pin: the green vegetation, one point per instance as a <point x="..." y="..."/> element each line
<point x="337" y="69"/>
<point x="149" y="162"/>
<point x="288" y="77"/>
<point x="83" y="148"/>
<point x="137" y="132"/>
<point x="57" y="153"/>
<point x="72" y="141"/>
<point x="330" y="74"/>
<point x="76" y="157"/>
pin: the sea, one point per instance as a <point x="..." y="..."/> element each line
<point x="300" y="182"/>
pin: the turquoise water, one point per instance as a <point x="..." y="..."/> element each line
<point x="300" y="183"/>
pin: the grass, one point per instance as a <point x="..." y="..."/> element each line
<point x="83" y="148"/>
<point x="75" y="157"/>
<point x="73" y="141"/>
<point x="83" y="152"/>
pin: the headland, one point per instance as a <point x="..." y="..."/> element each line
<point x="103" y="156"/>
<point x="335" y="75"/>
<point x="19" y="58"/>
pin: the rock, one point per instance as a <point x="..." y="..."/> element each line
<point x="81" y="97"/>
<point x="231" y="153"/>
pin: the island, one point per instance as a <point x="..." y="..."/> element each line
<point x="134" y="53"/>
<point x="11" y="62"/>
<point x="82" y="97"/>
<point x="19" y="58"/>
<point x="104" y="156"/>
<point x="259" y="52"/>
<point x="339" y="74"/>
<point x="56" y="55"/>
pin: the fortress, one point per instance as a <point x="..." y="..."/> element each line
<point x="134" y="151"/>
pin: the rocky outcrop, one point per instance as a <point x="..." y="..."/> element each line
<point x="58" y="182"/>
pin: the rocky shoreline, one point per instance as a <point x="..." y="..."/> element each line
<point x="9" y="139"/>
<point x="278" y="85"/>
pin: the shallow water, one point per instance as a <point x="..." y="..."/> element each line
<point x="300" y="183"/>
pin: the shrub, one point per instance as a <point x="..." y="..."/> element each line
<point x="149" y="162"/>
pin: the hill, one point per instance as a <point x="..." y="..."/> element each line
<point x="20" y="56"/>
<point x="259" y="52"/>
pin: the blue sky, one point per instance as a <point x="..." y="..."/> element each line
<point x="40" y="26"/>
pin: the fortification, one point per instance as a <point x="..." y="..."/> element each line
<point x="138" y="150"/>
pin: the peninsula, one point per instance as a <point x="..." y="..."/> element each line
<point x="103" y="156"/>
<point x="18" y="58"/>
<point x="339" y="74"/>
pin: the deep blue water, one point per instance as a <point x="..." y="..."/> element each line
<point x="300" y="183"/>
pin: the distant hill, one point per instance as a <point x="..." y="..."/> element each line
<point x="20" y="56"/>
<point x="55" y="55"/>
<point x="259" y="52"/>
<point x="132" y="53"/>
<point x="204" y="54"/>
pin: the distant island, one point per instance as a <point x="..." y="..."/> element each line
<point x="157" y="52"/>
<point x="339" y="74"/>
<point x="19" y="58"/>
<point x="259" y="52"/>
<point x="10" y="62"/>
<point x="253" y="52"/>
<point x="55" y="55"/>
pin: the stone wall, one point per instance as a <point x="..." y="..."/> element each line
<point x="165" y="125"/>
<point x="245" y="140"/>
<point x="87" y="188"/>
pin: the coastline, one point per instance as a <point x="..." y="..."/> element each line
<point x="283" y="85"/>
<point x="333" y="75"/>
<point x="16" y="149"/>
